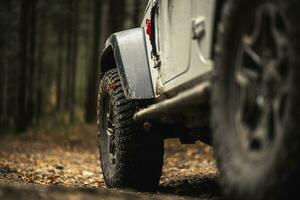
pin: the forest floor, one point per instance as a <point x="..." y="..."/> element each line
<point x="69" y="157"/>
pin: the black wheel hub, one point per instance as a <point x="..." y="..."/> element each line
<point x="109" y="131"/>
<point x="261" y="75"/>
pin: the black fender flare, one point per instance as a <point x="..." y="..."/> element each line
<point x="127" y="51"/>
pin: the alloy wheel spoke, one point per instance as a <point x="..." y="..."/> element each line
<point x="245" y="77"/>
<point x="251" y="56"/>
<point x="265" y="132"/>
<point x="109" y="131"/>
<point x="113" y="158"/>
<point x="278" y="28"/>
<point x="279" y="34"/>
<point x="110" y="126"/>
<point x="255" y="34"/>
<point x="111" y="147"/>
<point x="262" y="70"/>
<point x="110" y="121"/>
<point x="280" y="104"/>
<point x="250" y="66"/>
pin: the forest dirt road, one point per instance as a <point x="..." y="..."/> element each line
<point x="65" y="165"/>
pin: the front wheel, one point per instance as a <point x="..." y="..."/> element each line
<point x="256" y="99"/>
<point x="130" y="156"/>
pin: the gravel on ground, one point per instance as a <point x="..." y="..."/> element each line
<point x="69" y="157"/>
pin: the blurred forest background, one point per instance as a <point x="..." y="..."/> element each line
<point x="49" y="57"/>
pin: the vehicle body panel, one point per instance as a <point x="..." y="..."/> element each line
<point x="183" y="39"/>
<point x="174" y="37"/>
<point x="182" y="57"/>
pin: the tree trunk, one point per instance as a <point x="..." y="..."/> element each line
<point x="10" y="63"/>
<point x="71" y="58"/>
<point x="31" y="64"/>
<point x="73" y="66"/>
<point x="21" y="111"/>
<point x="117" y="13"/>
<point x="42" y="43"/>
<point x="2" y="62"/>
<point x="60" y="67"/>
<point x="136" y="13"/>
<point x="69" y="55"/>
<point x="93" y="72"/>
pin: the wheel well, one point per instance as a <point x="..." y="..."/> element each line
<point x="108" y="61"/>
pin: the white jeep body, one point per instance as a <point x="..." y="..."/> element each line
<point x="183" y="38"/>
<point x="178" y="55"/>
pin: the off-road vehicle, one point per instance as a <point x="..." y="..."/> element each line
<point x="226" y="72"/>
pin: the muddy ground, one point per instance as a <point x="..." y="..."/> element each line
<point x="69" y="157"/>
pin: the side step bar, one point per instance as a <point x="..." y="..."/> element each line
<point x="199" y="94"/>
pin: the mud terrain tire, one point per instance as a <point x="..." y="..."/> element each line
<point x="130" y="156"/>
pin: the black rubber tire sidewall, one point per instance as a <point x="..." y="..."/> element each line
<point x="240" y="177"/>
<point x="139" y="154"/>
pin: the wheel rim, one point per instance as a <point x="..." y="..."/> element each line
<point x="261" y="78"/>
<point x="109" y="131"/>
